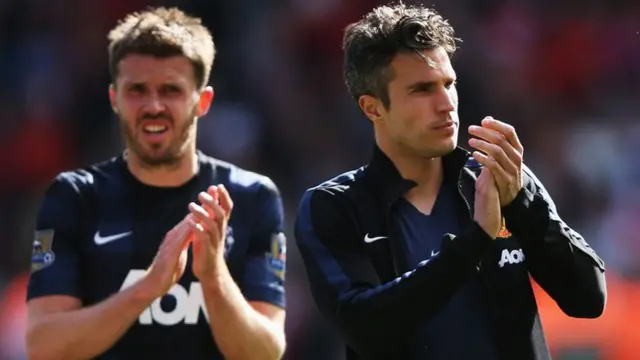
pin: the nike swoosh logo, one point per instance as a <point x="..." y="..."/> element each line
<point x="368" y="239"/>
<point x="101" y="240"/>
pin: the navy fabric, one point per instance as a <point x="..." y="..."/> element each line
<point x="462" y="329"/>
<point x="98" y="230"/>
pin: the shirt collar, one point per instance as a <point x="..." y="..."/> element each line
<point x="389" y="182"/>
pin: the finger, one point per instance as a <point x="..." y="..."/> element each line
<point x="173" y="245"/>
<point x="197" y="228"/>
<point x="200" y="235"/>
<point x="497" y="138"/>
<point x="500" y="175"/>
<point x="215" y="211"/>
<point x="202" y="217"/>
<point x="497" y="153"/>
<point x="225" y="200"/>
<point x="190" y="236"/>
<point x="179" y="227"/>
<point x="213" y="191"/>
<point x="507" y="130"/>
<point x="187" y="242"/>
<point x="176" y="236"/>
<point x="204" y="197"/>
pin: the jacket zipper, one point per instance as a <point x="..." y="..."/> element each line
<point x="466" y="203"/>
<point x="462" y="195"/>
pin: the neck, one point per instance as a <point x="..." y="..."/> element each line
<point x="171" y="175"/>
<point x="426" y="172"/>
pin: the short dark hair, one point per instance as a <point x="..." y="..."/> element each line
<point x="371" y="44"/>
<point x="163" y="32"/>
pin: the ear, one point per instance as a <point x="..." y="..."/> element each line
<point x="204" y="101"/>
<point x="372" y="107"/>
<point x="112" y="98"/>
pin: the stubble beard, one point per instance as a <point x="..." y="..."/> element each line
<point x="170" y="158"/>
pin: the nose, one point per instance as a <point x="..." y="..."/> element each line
<point x="153" y="105"/>
<point x="447" y="100"/>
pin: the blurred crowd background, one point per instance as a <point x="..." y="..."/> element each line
<point x="563" y="72"/>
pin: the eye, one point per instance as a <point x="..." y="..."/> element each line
<point x="422" y="88"/>
<point x="450" y="83"/>
<point x="137" y="88"/>
<point x="171" y="89"/>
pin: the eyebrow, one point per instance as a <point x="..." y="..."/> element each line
<point x="421" y="85"/>
<point x="144" y="83"/>
<point x="426" y="84"/>
<point x="134" y="83"/>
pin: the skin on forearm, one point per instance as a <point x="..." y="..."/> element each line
<point x="239" y="330"/>
<point x="87" y="332"/>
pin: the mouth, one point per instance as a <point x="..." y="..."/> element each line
<point x="155" y="132"/>
<point x="445" y="126"/>
<point x="154" y="127"/>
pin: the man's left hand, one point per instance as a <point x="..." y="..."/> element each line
<point x="500" y="151"/>
<point x="211" y="217"/>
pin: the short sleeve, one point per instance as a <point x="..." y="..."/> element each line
<point x="266" y="259"/>
<point x="54" y="256"/>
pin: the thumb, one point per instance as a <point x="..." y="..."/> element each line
<point x="483" y="173"/>
<point x="488" y="174"/>
<point x="196" y="243"/>
<point x="188" y="240"/>
<point x="184" y="235"/>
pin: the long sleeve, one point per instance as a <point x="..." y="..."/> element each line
<point x="558" y="258"/>
<point x="372" y="315"/>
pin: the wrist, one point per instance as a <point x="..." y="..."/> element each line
<point x="145" y="291"/>
<point x="519" y="214"/>
<point x="217" y="274"/>
<point x="519" y="205"/>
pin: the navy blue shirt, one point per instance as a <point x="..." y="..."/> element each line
<point x="461" y="330"/>
<point x="98" y="230"/>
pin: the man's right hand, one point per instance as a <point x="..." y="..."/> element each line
<point x="169" y="263"/>
<point x="487" y="204"/>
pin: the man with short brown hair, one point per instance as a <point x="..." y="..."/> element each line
<point x="140" y="256"/>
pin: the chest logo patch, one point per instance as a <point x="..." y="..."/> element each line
<point x="504" y="233"/>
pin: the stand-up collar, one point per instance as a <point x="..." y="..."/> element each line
<point x="390" y="183"/>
